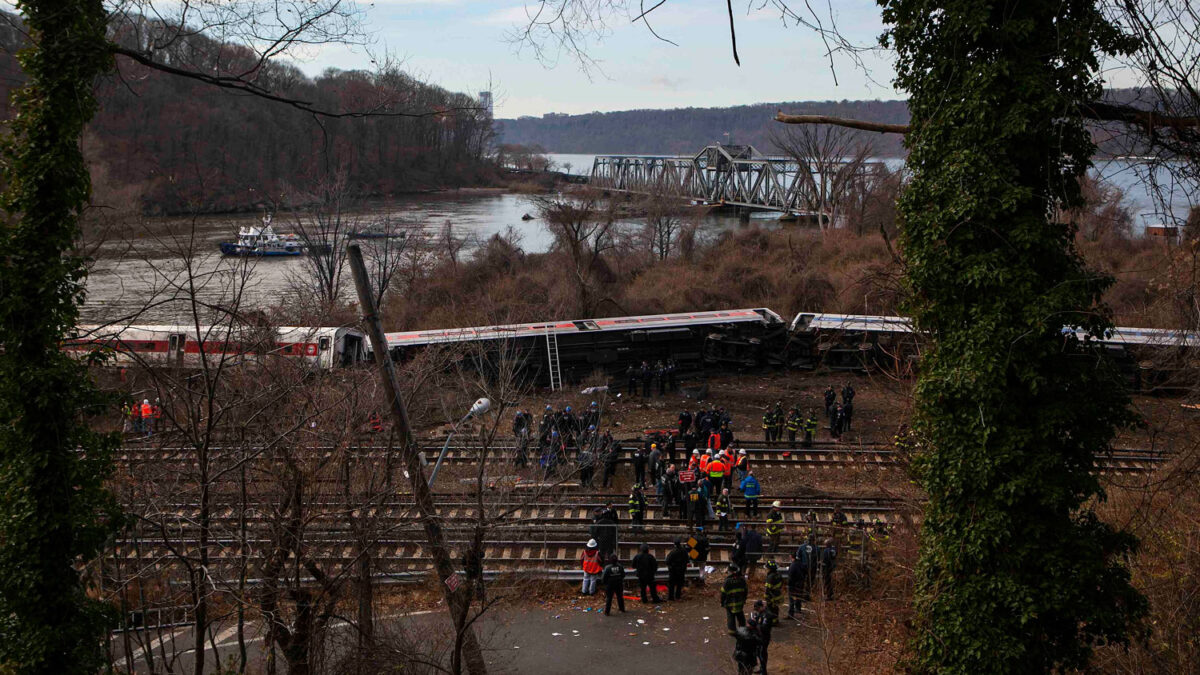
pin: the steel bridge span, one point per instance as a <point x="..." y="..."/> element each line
<point x="733" y="175"/>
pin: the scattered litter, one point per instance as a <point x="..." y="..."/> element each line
<point x="574" y="631"/>
<point x="516" y="646"/>
<point x="645" y="643"/>
<point x="633" y="635"/>
<point x="641" y="621"/>
<point x="706" y="618"/>
<point x="666" y="629"/>
<point x="556" y="634"/>
<point x="672" y="642"/>
<point x="558" y="616"/>
<point x="705" y="640"/>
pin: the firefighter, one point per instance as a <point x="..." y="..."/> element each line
<point x="793" y="425"/>
<point x="767" y="421"/>
<point x="810" y="429"/>
<point x="637" y="508"/>
<point x="777" y="422"/>
<point x="773" y="588"/>
<point x="733" y="599"/>
<point x="724" y="508"/>
<point x="775" y="525"/>
<point x="830" y="399"/>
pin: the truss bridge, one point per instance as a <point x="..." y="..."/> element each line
<point x="736" y="175"/>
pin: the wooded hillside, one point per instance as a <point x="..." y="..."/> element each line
<point x="686" y="130"/>
<point x="177" y="145"/>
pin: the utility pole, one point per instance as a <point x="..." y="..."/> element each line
<point x="459" y="599"/>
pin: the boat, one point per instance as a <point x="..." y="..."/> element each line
<point x="263" y="241"/>
<point x="381" y="230"/>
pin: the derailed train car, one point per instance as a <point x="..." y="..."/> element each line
<point x="320" y="348"/>
<point x="577" y="348"/>
<point x="1150" y="359"/>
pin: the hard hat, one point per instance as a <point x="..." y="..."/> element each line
<point x="591" y="426"/>
<point x="734" y="569"/>
<point x="593" y="403"/>
<point x="146" y="401"/>
<point x="742" y="451"/>
<point x="771" y="565"/>
<point x="653" y="446"/>
<point x="592" y="543"/>
<point x="776" y="503"/>
<point x="549" y="408"/>
<point x="568" y="408"/>
<point x="695" y="452"/>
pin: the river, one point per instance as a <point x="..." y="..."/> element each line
<point x="129" y="275"/>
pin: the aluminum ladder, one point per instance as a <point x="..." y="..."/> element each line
<point x="552" y="358"/>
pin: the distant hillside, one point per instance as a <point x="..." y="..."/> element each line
<point x="685" y="130"/>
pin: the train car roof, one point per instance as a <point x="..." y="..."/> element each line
<point x="100" y="331"/>
<point x="1159" y="337"/>
<point x="619" y="323"/>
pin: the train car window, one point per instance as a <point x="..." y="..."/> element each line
<point x="586" y="325"/>
<point x="323" y="344"/>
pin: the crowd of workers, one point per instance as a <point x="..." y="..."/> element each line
<point x="696" y="470"/>
<point x="141" y="418"/>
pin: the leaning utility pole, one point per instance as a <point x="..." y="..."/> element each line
<point x="458" y="595"/>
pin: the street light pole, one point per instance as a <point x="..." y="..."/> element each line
<point x="478" y="408"/>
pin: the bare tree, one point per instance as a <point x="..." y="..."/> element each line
<point x="584" y="228"/>
<point x="325" y="219"/>
<point x="831" y="169"/>
<point x="386" y="248"/>
<point x="664" y="224"/>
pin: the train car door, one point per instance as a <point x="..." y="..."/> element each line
<point x="175" y="346"/>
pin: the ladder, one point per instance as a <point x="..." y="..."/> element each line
<point x="552" y="358"/>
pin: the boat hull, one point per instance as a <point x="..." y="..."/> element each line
<point x="229" y="248"/>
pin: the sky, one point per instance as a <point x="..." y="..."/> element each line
<point x="463" y="45"/>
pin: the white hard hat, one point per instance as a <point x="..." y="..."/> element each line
<point x="146" y="401"/>
<point x="695" y="452"/>
<point x="776" y="503"/>
<point x="592" y="543"/>
<point x="742" y="452"/>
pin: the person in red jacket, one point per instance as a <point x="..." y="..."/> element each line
<point x="147" y="416"/>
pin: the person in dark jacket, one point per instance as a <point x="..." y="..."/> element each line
<point x="797" y="575"/>
<point x="685" y="422"/>
<point x="646" y="566"/>
<point x="745" y="649"/>
<point x="646" y="375"/>
<point x="826" y="562"/>
<point x="733" y="599"/>
<point x="807" y="553"/>
<point x="604" y="530"/>
<point x="677" y="562"/>
<point x="754" y="548"/>
<point x="830" y="399"/>
<point x="668" y="491"/>
<point x="631" y="378"/>
<point x="763" y="620"/>
<point x="639" y="466"/>
<point x="613" y="578"/>
<point x="612" y="454"/>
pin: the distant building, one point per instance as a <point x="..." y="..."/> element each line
<point x="485" y="100"/>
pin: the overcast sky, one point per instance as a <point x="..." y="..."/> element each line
<point x="461" y="44"/>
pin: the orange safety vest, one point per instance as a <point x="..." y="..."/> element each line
<point x="704" y="463"/>
<point x="147" y="411"/>
<point x="741" y="461"/>
<point x="716" y="469"/>
<point x="591" y="562"/>
<point x="157" y="413"/>
<point x="714" y="441"/>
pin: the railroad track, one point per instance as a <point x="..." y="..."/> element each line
<point x="390" y="556"/>
<point x="1120" y="461"/>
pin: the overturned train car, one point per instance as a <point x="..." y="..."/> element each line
<point x="1150" y="359"/>
<point x="572" y="350"/>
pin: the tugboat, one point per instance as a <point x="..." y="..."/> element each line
<point x="263" y="241"/>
